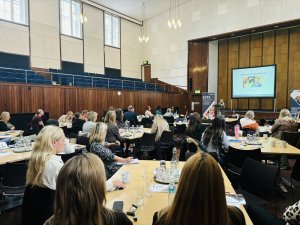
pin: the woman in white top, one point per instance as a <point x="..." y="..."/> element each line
<point x="66" y="118"/>
<point x="44" y="165"/>
<point x="89" y="125"/>
<point x="148" y="112"/>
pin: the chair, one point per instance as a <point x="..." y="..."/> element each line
<point x="166" y="144"/>
<point x="147" y="144"/>
<point x="237" y="157"/>
<point x="38" y="205"/>
<point x="180" y="128"/>
<point x="188" y="154"/>
<point x="13" y="180"/>
<point x="291" y="137"/>
<point x="169" y="119"/>
<point x="258" y="182"/>
<point x="83" y="140"/>
<point x="146" y="122"/>
<point x="294" y="180"/>
<point x="66" y="157"/>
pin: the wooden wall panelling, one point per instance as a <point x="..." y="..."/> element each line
<point x="233" y="62"/>
<point x="244" y="60"/>
<point x="255" y="60"/>
<point x="222" y="73"/>
<point x="294" y="62"/>
<point x="19" y="98"/>
<point x="281" y="59"/>
<point x="268" y="59"/>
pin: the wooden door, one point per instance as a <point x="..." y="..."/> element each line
<point x="146" y="70"/>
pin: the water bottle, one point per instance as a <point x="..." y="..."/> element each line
<point x="174" y="160"/>
<point x="171" y="191"/>
<point x="236" y="131"/>
<point x="126" y="126"/>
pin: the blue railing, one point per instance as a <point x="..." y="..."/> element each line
<point x="96" y="81"/>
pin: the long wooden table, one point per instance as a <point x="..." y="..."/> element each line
<point x="154" y="202"/>
<point x="9" y="156"/>
<point x="266" y="147"/>
<point x="12" y="134"/>
<point x="133" y="135"/>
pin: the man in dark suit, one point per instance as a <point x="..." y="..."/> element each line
<point x="131" y="116"/>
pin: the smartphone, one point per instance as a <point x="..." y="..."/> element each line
<point x="118" y="206"/>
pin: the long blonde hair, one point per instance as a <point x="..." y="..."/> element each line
<point x="110" y="117"/>
<point x="200" y="196"/>
<point x="99" y="133"/>
<point x="42" y="150"/>
<point x="80" y="193"/>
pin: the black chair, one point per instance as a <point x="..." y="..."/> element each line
<point x="258" y="182"/>
<point x="180" y="128"/>
<point x="13" y="180"/>
<point x="294" y="180"/>
<point x="83" y="140"/>
<point x="38" y="205"/>
<point x="291" y="137"/>
<point x="166" y="144"/>
<point x="146" y="122"/>
<point x="66" y="157"/>
<point x="147" y="145"/>
<point x="237" y="157"/>
<point x="187" y="147"/>
<point x="169" y="119"/>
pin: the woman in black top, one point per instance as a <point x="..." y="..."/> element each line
<point x="195" y="129"/>
<point x="83" y="204"/>
<point x="4" y="124"/>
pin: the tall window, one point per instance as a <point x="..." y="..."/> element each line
<point x="14" y="11"/>
<point x="112" y="30"/>
<point x="70" y="11"/>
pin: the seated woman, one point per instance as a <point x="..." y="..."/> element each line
<point x="148" y="112"/>
<point x="248" y="121"/>
<point x="159" y="126"/>
<point x="158" y="110"/>
<point x="113" y="134"/>
<point x="90" y="123"/>
<point x="119" y="118"/>
<point x="168" y="113"/>
<point x="195" y="129"/>
<point x="189" y="144"/>
<point x="285" y="122"/>
<point x="98" y="147"/>
<point x="68" y="118"/>
<point x="4" y="122"/>
<point x="215" y="139"/>
<point x="193" y="205"/>
<point x="83" y="204"/>
<point x="44" y="165"/>
<point x="37" y="122"/>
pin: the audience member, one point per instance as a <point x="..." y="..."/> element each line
<point x="159" y="126"/>
<point x="286" y="123"/>
<point x="98" y="147"/>
<point x="148" y="112"/>
<point x="113" y="134"/>
<point x="68" y="118"/>
<point x="202" y="201"/>
<point x="84" y="203"/>
<point x="248" y="121"/>
<point x="222" y="103"/>
<point x="168" y="113"/>
<point x="119" y="118"/>
<point x="292" y="214"/>
<point x="195" y="129"/>
<point x="215" y="139"/>
<point x="77" y="123"/>
<point x="84" y="115"/>
<point x="44" y="165"/>
<point x="90" y="123"/>
<point x="4" y="122"/>
<point x="158" y="110"/>
<point x="131" y="116"/>
<point x="37" y="121"/>
<point x="188" y="144"/>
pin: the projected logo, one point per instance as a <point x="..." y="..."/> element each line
<point x="253" y="81"/>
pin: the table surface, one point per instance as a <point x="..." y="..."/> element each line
<point x="8" y="156"/>
<point x="266" y="147"/>
<point x="154" y="202"/>
<point x="132" y="135"/>
<point x="12" y="133"/>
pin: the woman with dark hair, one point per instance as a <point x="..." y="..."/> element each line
<point x="215" y="139"/>
<point x="195" y="129"/>
<point x="158" y="110"/>
<point x="85" y="203"/>
<point x="202" y="201"/>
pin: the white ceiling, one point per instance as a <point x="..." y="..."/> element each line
<point x="133" y="8"/>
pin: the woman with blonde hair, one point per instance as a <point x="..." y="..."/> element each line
<point x="4" y="124"/>
<point x="285" y="122"/>
<point x="85" y="203"/>
<point x="66" y="118"/>
<point x="99" y="147"/>
<point x="113" y="134"/>
<point x="159" y="126"/>
<point x="202" y="201"/>
<point x="44" y="165"/>
<point x="90" y="123"/>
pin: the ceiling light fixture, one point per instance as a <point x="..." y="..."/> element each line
<point x="174" y="15"/>
<point x="143" y="37"/>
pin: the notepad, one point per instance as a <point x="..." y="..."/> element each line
<point x="159" y="188"/>
<point x="234" y="199"/>
<point x="134" y="161"/>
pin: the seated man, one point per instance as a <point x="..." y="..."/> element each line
<point x="131" y="116"/>
<point x="248" y="122"/>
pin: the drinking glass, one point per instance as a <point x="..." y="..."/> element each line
<point x="139" y="194"/>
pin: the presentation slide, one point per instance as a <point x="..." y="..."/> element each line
<point x="254" y="82"/>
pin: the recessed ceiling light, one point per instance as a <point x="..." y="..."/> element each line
<point x="253" y="30"/>
<point x="276" y="26"/>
